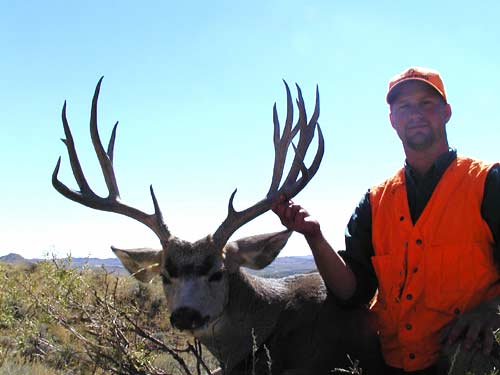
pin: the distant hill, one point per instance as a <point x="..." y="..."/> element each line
<point x="285" y="266"/>
<point x="111" y="264"/>
<point x="282" y="266"/>
<point x="14" y="258"/>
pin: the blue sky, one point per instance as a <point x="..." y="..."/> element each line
<point x="193" y="85"/>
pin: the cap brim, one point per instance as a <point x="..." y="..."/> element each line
<point x="393" y="91"/>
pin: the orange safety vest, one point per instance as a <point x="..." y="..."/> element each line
<point x="433" y="270"/>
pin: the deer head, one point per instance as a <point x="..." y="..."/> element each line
<point x="196" y="275"/>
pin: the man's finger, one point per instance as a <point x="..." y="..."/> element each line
<point x="445" y="331"/>
<point x="488" y="341"/>
<point x="456" y="331"/>
<point x="277" y="208"/>
<point x="472" y="335"/>
<point x="292" y="212"/>
<point x="300" y="215"/>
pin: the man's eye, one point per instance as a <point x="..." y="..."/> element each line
<point x="216" y="276"/>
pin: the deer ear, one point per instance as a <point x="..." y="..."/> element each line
<point x="255" y="252"/>
<point x="142" y="263"/>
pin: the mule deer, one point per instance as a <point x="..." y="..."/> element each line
<point x="293" y="319"/>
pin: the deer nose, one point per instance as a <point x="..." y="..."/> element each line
<point x="187" y="318"/>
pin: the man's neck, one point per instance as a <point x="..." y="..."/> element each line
<point x="422" y="161"/>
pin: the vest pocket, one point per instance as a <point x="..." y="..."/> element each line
<point x="389" y="276"/>
<point x="453" y="274"/>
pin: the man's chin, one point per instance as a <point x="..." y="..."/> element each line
<point x="420" y="142"/>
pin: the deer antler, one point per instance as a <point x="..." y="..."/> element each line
<point x="292" y="184"/>
<point x="86" y="196"/>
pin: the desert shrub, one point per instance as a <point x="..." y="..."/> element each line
<point x="18" y="366"/>
<point x="87" y="321"/>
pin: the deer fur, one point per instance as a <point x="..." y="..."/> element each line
<point x="301" y="325"/>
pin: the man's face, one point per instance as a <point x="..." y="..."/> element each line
<point x="419" y="115"/>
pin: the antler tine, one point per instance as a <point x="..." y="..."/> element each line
<point x="295" y="187"/>
<point x="73" y="157"/>
<point x="86" y="196"/>
<point x="305" y="138"/>
<point x="104" y="159"/>
<point x="306" y="135"/>
<point x="111" y="144"/>
<point x="292" y="186"/>
<point x="282" y="143"/>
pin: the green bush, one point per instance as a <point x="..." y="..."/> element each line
<point x="57" y="319"/>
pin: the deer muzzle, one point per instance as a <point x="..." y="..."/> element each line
<point x="186" y="318"/>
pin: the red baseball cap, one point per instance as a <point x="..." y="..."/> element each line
<point x="429" y="76"/>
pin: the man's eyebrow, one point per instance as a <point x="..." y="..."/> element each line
<point x="399" y="101"/>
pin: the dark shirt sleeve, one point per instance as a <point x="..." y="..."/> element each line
<point x="358" y="252"/>
<point x="490" y="208"/>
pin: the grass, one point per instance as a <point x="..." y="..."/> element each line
<point x="56" y="319"/>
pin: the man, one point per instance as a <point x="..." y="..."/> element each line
<point x="427" y="239"/>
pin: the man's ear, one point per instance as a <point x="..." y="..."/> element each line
<point x="143" y="263"/>
<point x="391" y="119"/>
<point x="447" y="113"/>
<point x="255" y="252"/>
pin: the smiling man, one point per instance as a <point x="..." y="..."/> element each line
<point x="425" y="241"/>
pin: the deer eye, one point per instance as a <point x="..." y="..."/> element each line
<point x="216" y="276"/>
<point x="165" y="280"/>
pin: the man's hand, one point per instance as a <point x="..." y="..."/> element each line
<point x="336" y="274"/>
<point x="475" y="327"/>
<point x="295" y="217"/>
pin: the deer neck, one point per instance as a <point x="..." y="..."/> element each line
<point x="253" y="308"/>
